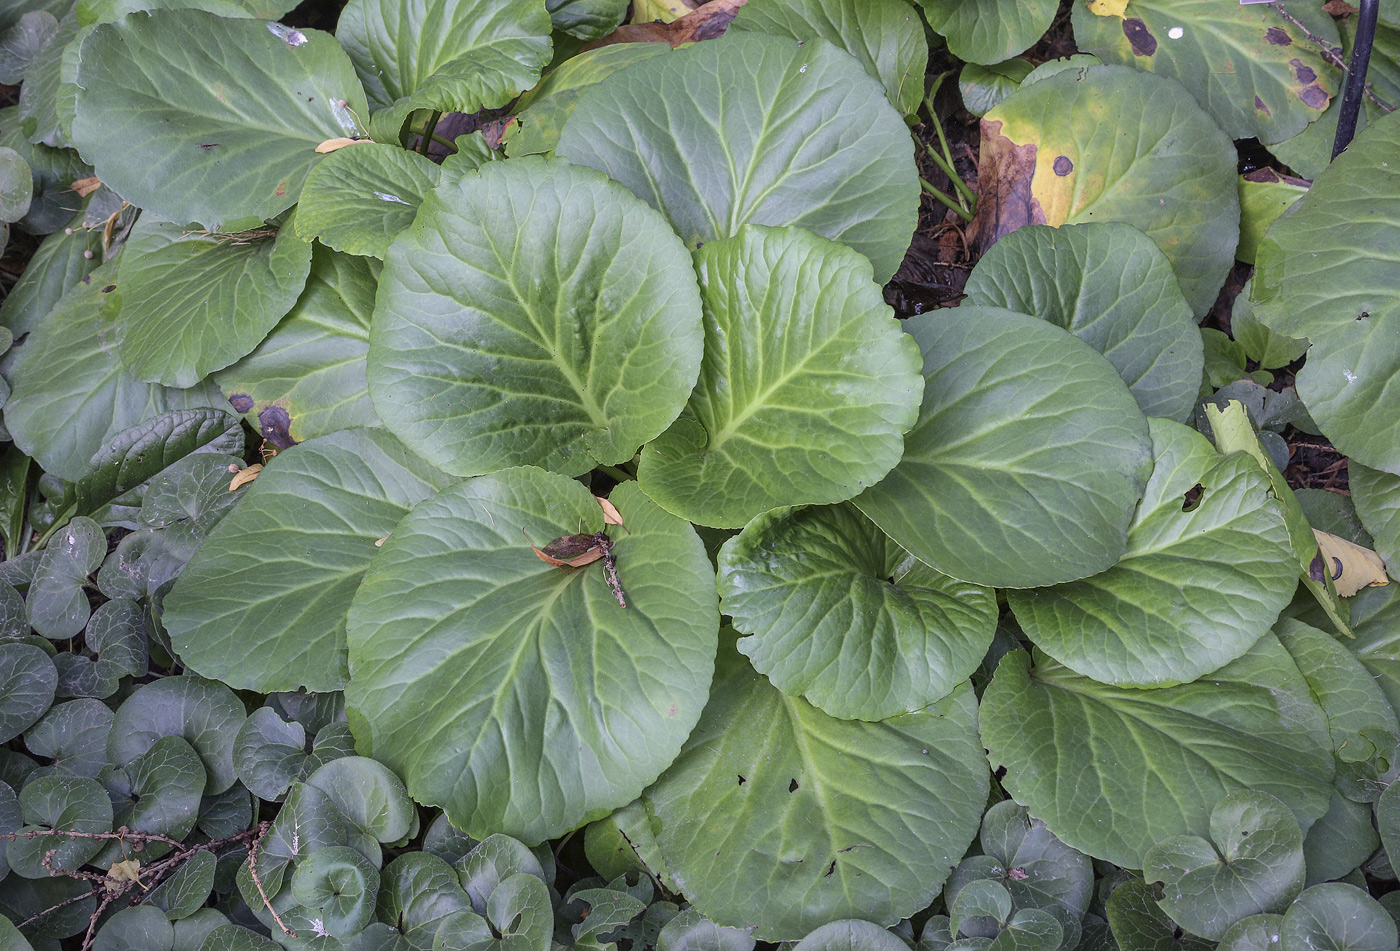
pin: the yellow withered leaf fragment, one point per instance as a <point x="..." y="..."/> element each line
<point x="1350" y="566"/>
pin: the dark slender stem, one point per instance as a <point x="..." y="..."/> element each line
<point x="1355" y="85"/>
<point x="428" y="129"/>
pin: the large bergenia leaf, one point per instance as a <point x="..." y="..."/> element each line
<point x="1176" y="751"/>
<point x="1109" y="143"/>
<point x="449" y="55"/>
<point x="204" y="119"/>
<point x="1327" y="271"/>
<point x="71" y="391"/>
<point x="519" y="696"/>
<point x="1110" y="286"/>
<point x="989" y="31"/>
<point x="753" y="128"/>
<point x="779" y="818"/>
<point x="1207" y="571"/>
<point x="195" y="303"/>
<point x="307" y="377"/>
<point x="1377" y="498"/>
<point x="536" y="313"/>
<point x="810" y="587"/>
<point x="806" y="389"/>
<point x="1028" y="458"/>
<point x="1276" y="82"/>
<point x="250" y="608"/>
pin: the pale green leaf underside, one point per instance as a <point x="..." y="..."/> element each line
<point x="536" y="313"/>
<point x="794" y="134"/>
<point x="806" y="388"/>
<point x="1028" y="458"/>
<point x="518" y="696"/>
<point x="262" y="604"/>
<point x="360" y="197"/>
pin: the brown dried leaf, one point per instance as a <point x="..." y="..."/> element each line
<point x="703" y="23"/>
<point x="611" y="516"/>
<point x="340" y="142"/>
<point x="570" y="551"/>
<point x="245" y="476"/>
<point x="86" y="186"/>
<point x="128" y="871"/>
<point x="1339" y="8"/>
<point x="1005" y="200"/>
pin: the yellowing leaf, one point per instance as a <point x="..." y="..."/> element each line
<point x="1350" y="566"/>
<point x="246" y="476"/>
<point x="645" y="11"/>
<point x="339" y="142"/>
<point x="1108" y="8"/>
<point x="128" y="871"/>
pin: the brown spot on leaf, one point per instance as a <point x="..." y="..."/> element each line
<point x="109" y="288"/>
<point x="1063" y="166"/>
<point x="1269" y="176"/>
<point x="1305" y="74"/>
<point x="1139" y="37"/>
<point x="1005" y="201"/>
<point x="1314" y="97"/>
<point x="704" y="22"/>
<point x="276" y="427"/>
<point x="241" y="402"/>
<point x="281" y="191"/>
<point x="1259" y="104"/>
<point x="1339" y="8"/>
<point x="1276" y="37"/>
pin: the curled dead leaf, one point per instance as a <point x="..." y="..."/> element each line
<point x="611" y="516"/>
<point x="339" y="142"/>
<point x="128" y="871"/>
<point x="245" y="476"/>
<point x="86" y="186"/>
<point x="703" y="23"/>
<point x="570" y="551"/>
<point x="1350" y="566"/>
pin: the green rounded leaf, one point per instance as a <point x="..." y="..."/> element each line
<point x="340" y="885"/>
<point x="1110" y="286"/>
<point x="989" y="32"/>
<point x="587" y="19"/>
<point x="692" y="931"/>
<point x="794" y="134"/>
<point x="1324" y="273"/>
<point x="1177" y="750"/>
<point x="536" y="313"/>
<point x="1376" y="495"/>
<point x="851" y="934"/>
<point x="73" y="736"/>
<point x="1255" y="933"/>
<point x="143" y="928"/>
<point x="16" y="185"/>
<point x="204" y="713"/>
<point x="490" y="862"/>
<point x="203" y="119"/>
<point x="1028" y="458"/>
<point x="158" y="793"/>
<point x="251" y="608"/>
<point x="1207" y="571"/>
<point x="22" y="40"/>
<point x="360" y="197"/>
<point x="59" y="804"/>
<point x="58" y="605"/>
<point x="805" y="391"/>
<point x="1138" y="922"/>
<point x="1109" y="143"/>
<point x="194" y="303"/>
<point x="859" y="818"/>
<point x="183" y="894"/>
<point x="27" y="683"/>
<point x="1252" y="863"/>
<point x="1336" y="916"/>
<point x="58" y="264"/>
<point x="840" y="615"/>
<point x="1051" y="874"/>
<point x="465" y="645"/>
<point x="982" y="87"/>
<point x="1277" y="80"/>
<point x="269" y="754"/>
<point x="368" y="795"/>
<point x="418" y="891"/>
<point x="231" y="937"/>
<point x="307" y="377"/>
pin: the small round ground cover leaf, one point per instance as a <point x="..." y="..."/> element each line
<point x="204" y="713"/>
<point x="307" y="377"/>
<point x="142" y="928"/>
<point x="1256" y="71"/>
<point x="1252" y="863"/>
<point x="72" y="392"/>
<point x="360" y="197"/>
<point x="1207" y="570"/>
<point x="1109" y="143"/>
<point x="519" y="696"/>
<point x="194" y="303"/>
<point x="842" y="616"/>
<point x="1176" y="750"/>
<point x="1050" y="874"/>
<point x="850" y="934"/>
<point x="1111" y="286"/>
<point x="27" y="683"/>
<point x="262" y="604"/>
<point x="806" y="389"/>
<point x="793" y="133"/>
<point x="340" y="885"/>
<point x="158" y="793"/>
<point x="1255" y="933"/>
<point x="535" y="313"/>
<point x="989" y="31"/>
<point x="885" y="35"/>
<point x="448" y="55"/>
<point x="59" y="803"/>
<point x="57" y="602"/>
<point x="200" y="118"/>
<point x="982" y="87"/>
<point x="692" y="931"/>
<point x="1336" y="916"/>
<point x="73" y="737"/>
<point x="779" y="818"/>
<point x="587" y="19"/>
<point x="1028" y="458"/>
<point x="368" y="795"/>
<point x="1327" y="270"/>
<point x="1138" y="923"/>
<point x="1377" y="498"/>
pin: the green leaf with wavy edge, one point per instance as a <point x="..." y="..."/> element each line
<point x="307" y="377"/>
<point x="797" y="134"/>
<point x="203" y="119"/>
<point x="1028" y="458"/>
<point x="194" y="303"/>
<point x="251" y="608"/>
<point x="370" y="797"/>
<point x="806" y="388"/>
<point x="838" y="614"/>
<point x="1057" y="152"/>
<point x="448" y="56"/>
<point x="58" y="605"/>
<point x="1251" y="864"/>
<point x="269" y="753"/>
<point x="418" y="890"/>
<point x="1250" y="725"/>
<point x="1339" y="842"/>
<point x="59" y="803"/>
<point x="1336" y="915"/>
<point x="204" y="713"/>
<point x="1207" y="571"/>
<point x="184" y="893"/>
<point x="989" y="32"/>
<point x="360" y="197"/>
<point x="983" y="87"/>
<point x="506" y="652"/>
<point x="1324" y="273"/>
<point x="885" y="35"/>
<point x="862" y="818"/>
<point x="109" y="11"/>
<point x="1110" y="286"/>
<point x="157" y="793"/>
<point x="22" y="41"/>
<point x="850" y="934"/>
<point x="27" y="682"/>
<point x="537" y="314"/>
<point x="340" y="885"/>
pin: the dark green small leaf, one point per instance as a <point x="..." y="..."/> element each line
<point x="1139" y="924"/>
<point x="1336" y="916"/>
<point x="28" y="680"/>
<point x="368" y="795"/>
<point x="185" y="891"/>
<point x="117" y="633"/>
<point x="1255" y="933"/>
<point x="340" y="885"/>
<point x="22" y="41"/>
<point x="204" y="713"/>
<point x="57" y="601"/>
<point x="73" y="736"/>
<point x="16" y="186"/>
<point x="143" y="928"/>
<point x="492" y="861"/>
<point x="60" y="804"/>
<point x="157" y="793"/>
<point x="418" y="891"/>
<point x="692" y="931"/>
<point x="608" y="909"/>
<point x="269" y="753"/>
